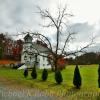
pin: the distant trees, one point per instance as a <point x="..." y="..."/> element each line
<point x="9" y="48"/>
<point x="1" y="50"/>
<point x="87" y="58"/>
<point x="77" y="78"/>
<point x="2" y="45"/>
<point x="71" y="61"/>
<point x="16" y="50"/>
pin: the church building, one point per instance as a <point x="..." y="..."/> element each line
<point x="35" y="53"/>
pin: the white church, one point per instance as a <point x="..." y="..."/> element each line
<point x="34" y="53"/>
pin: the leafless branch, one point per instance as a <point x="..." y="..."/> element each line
<point x="45" y="14"/>
<point x="59" y="23"/>
<point x="81" y="50"/>
<point x="48" y="25"/>
<point x="69" y="37"/>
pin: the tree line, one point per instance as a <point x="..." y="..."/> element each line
<point x="10" y="48"/>
<point x="87" y="58"/>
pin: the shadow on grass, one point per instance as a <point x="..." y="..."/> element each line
<point x="57" y="85"/>
<point x="98" y="96"/>
<point x="72" y="91"/>
<point x="27" y="78"/>
<point x="53" y="85"/>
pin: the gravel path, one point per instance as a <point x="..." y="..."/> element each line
<point x="11" y="94"/>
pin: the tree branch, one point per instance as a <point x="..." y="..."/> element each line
<point x="81" y="50"/>
<point x="67" y="40"/>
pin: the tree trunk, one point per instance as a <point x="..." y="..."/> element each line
<point x="56" y="66"/>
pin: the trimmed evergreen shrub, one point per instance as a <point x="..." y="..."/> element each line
<point x="44" y="74"/>
<point x="34" y="73"/>
<point x="25" y="72"/>
<point x="58" y="77"/>
<point x="99" y="76"/>
<point x="77" y="78"/>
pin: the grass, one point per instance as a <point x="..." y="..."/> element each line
<point x="89" y="89"/>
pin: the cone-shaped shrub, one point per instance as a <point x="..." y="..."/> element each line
<point x="77" y="78"/>
<point x="34" y="73"/>
<point x="44" y="75"/>
<point x="99" y="76"/>
<point x="58" y="77"/>
<point x="25" y="72"/>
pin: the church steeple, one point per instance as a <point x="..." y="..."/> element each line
<point x="28" y="38"/>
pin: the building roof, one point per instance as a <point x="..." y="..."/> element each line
<point x="27" y="37"/>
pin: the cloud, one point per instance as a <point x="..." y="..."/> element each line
<point x="17" y="15"/>
<point x="20" y="15"/>
<point x="83" y="31"/>
<point x="84" y="34"/>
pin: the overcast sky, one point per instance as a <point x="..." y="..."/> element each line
<point x="20" y="15"/>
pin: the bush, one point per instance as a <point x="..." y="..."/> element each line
<point x="44" y="75"/>
<point x="77" y="78"/>
<point x="99" y="76"/>
<point x="34" y="73"/>
<point x="58" y="77"/>
<point x="25" y="72"/>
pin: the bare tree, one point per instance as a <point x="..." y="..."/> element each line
<point x="59" y="23"/>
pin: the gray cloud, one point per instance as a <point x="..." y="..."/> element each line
<point x="84" y="31"/>
<point x="20" y="15"/>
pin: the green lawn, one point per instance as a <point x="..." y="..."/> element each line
<point x="89" y="89"/>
